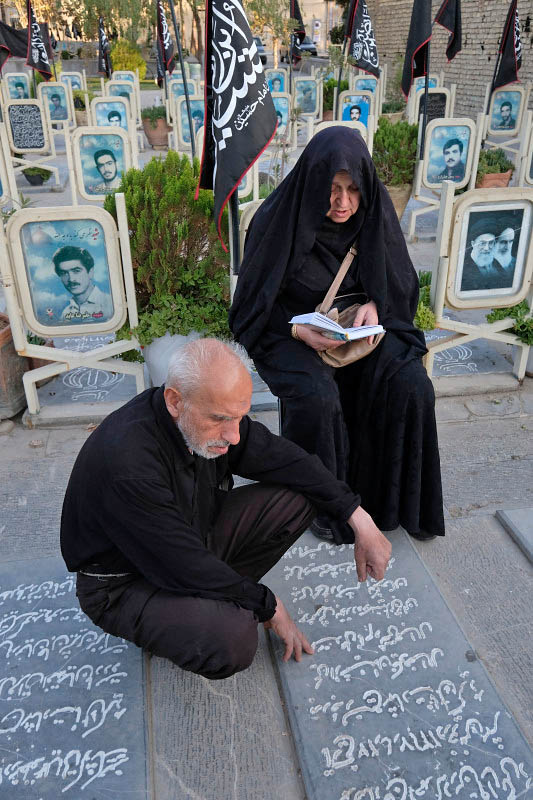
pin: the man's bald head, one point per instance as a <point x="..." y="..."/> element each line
<point x="208" y="391"/>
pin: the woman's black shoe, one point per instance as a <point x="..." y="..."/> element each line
<point x="321" y="528"/>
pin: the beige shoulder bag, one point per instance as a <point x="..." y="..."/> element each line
<point x="351" y="351"/>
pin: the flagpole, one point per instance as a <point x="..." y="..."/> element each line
<point x="347" y="34"/>
<point x="426" y="95"/>
<point x="182" y="67"/>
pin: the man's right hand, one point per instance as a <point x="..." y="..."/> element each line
<point x="316" y="340"/>
<point x="372" y="550"/>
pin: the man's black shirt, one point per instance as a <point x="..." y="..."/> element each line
<point x="139" y="501"/>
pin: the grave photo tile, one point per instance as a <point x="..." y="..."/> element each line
<point x="71" y="696"/>
<point x="394" y="704"/>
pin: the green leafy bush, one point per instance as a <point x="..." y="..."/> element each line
<point x="126" y="55"/>
<point x="153" y="113"/>
<point x="491" y="162"/>
<point x="394" y="152"/>
<point x="329" y="87"/>
<point x="425" y="317"/>
<point x="79" y="98"/>
<point x="523" y="327"/>
<point x="45" y="174"/>
<point x="181" y="271"/>
<point x="393" y="106"/>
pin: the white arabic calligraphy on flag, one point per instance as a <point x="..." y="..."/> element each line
<point x="363" y="47"/>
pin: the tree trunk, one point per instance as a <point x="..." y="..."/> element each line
<point x="275" y="47"/>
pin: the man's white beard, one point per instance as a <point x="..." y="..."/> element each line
<point x="190" y="436"/>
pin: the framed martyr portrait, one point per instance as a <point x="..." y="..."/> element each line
<point x="505" y="110"/>
<point x="282" y="104"/>
<point x="75" y="79"/>
<point x="26" y="128"/>
<point x="276" y="79"/>
<point x="18" y="86"/>
<point x="176" y="88"/>
<point x="124" y="75"/>
<point x="182" y="118"/>
<point x="439" y="102"/>
<point x="67" y="270"/>
<point x="449" y="152"/>
<point x="124" y="89"/>
<point x="356" y="106"/>
<point x="306" y="96"/>
<point x="490" y="253"/>
<point x="369" y="84"/>
<point x="101" y="159"/>
<point x="111" y="112"/>
<point x="194" y="70"/>
<point x="57" y="98"/>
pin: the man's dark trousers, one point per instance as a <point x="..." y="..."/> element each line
<point x="214" y="638"/>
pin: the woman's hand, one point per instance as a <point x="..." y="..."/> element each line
<point x="366" y="315"/>
<point x="316" y="340"/>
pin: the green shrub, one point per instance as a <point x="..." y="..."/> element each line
<point x="44" y="173"/>
<point x="153" y="113"/>
<point x="79" y="98"/>
<point x="425" y="318"/>
<point x="523" y="327"/>
<point x="393" y="106"/>
<point x="126" y="55"/>
<point x="394" y="153"/>
<point x="492" y="161"/>
<point x="181" y="271"/>
<point x="329" y="87"/>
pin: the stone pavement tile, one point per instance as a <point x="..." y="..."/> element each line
<point x="488" y="583"/>
<point x="519" y="524"/>
<point x="451" y="410"/>
<point x="71" y="696"/>
<point x="501" y="405"/>
<point x="395" y="702"/>
<point x="221" y="740"/>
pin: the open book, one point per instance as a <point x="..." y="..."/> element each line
<point x="328" y="327"/>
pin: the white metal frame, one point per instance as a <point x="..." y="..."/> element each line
<point x="74" y="158"/>
<point x="431" y="203"/>
<point x="448" y="233"/>
<point x="9" y="193"/>
<point x="525" y="155"/>
<point x="372" y="104"/>
<point x="172" y="98"/>
<point x="413" y="111"/>
<point x="5" y="86"/>
<point x="121" y="272"/>
<point x="64" y="79"/>
<point x="317" y="111"/>
<point x="46" y="153"/>
<point x="45" y="90"/>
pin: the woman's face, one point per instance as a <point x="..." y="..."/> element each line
<point x="345" y="198"/>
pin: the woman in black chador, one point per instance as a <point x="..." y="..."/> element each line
<point x="372" y="422"/>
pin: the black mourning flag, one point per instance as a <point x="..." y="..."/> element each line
<point x="363" y="48"/>
<point x="510" y="49"/>
<point x="165" y="42"/>
<point x="416" y="53"/>
<point x="159" y="63"/>
<point x="36" y="55"/>
<point x="299" y="31"/>
<point x="449" y="16"/>
<point x="104" y="59"/>
<point x="240" y="118"/>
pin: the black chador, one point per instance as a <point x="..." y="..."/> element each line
<point x="372" y="422"/>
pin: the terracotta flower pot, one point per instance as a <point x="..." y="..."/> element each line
<point x="394" y="116"/>
<point x="12" y="368"/>
<point x="400" y="197"/>
<point x="158" y="136"/>
<point x="327" y="116"/>
<point x="495" y="180"/>
<point x="81" y="117"/>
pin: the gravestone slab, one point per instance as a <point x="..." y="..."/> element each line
<point x="436" y="106"/>
<point x="519" y="524"/>
<point x="71" y="696"/>
<point x="474" y="358"/>
<point x="394" y="705"/>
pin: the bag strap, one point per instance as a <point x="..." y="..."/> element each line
<point x="327" y="302"/>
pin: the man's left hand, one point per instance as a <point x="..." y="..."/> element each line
<point x="294" y="640"/>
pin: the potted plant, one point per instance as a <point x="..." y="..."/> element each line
<point x="494" y="169"/>
<point x="36" y="362"/>
<point x="181" y="271"/>
<point x="393" y="110"/>
<point x="79" y="106"/>
<point x="394" y="156"/>
<point x="154" y="120"/>
<point x="523" y="327"/>
<point x="36" y="175"/>
<point x="12" y="368"/>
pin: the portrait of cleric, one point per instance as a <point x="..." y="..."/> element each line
<point x="505" y="110"/>
<point x="448" y="153"/>
<point x="67" y="271"/>
<point x="490" y="255"/>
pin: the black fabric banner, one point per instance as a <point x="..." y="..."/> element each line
<point x="416" y="53"/>
<point x="363" y="48"/>
<point x="165" y="41"/>
<point x="296" y="14"/>
<point x="510" y="49"/>
<point x="104" y="49"/>
<point x="159" y="64"/>
<point x="36" y="54"/>
<point x="449" y="16"/>
<point x="14" y="42"/>
<point x="240" y="118"/>
<point x="349" y="19"/>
